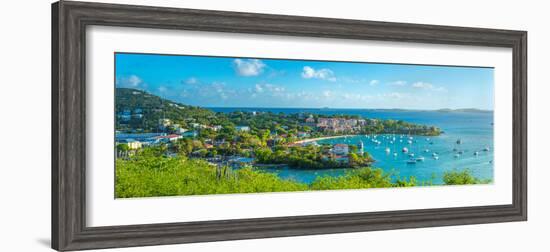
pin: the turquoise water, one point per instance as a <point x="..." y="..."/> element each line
<point x="474" y="129"/>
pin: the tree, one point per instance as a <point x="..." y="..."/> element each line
<point x="367" y="157"/>
<point x="353" y="158"/>
<point x="456" y="177"/>
<point x="202" y="152"/>
<point x="264" y="135"/>
<point x="122" y="147"/>
<point x="263" y="154"/>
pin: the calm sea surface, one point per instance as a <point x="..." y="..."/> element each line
<point x="474" y="129"/>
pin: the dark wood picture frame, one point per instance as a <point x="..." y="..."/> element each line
<point x="69" y="21"/>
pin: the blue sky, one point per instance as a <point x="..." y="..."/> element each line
<point x="246" y="82"/>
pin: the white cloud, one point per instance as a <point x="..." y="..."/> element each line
<point x="260" y="88"/>
<point x="374" y="82"/>
<point x="221" y="90"/>
<point x="399" y="83"/>
<point x="192" y="81"/>
<point x="323" y="74"/>
<point x="327" y="93"/>
<point x="423" y="85"/>
<point x="392" y="95"/>
<point x="427" y="86"/>
<point x="351" y="96"/>
<point x="132" y="81"/>
<point x="354" y="97"/>
<point x="441" y="89"/>
<point x="251" y="67"/>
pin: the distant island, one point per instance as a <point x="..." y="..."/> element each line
<point x="468" y="110"/>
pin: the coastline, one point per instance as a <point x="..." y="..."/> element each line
<point x="320" y="138"/>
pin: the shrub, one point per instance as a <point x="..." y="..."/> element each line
<point x="464" y="177"/>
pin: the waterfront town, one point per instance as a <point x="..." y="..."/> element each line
<point x="245" y="137"/>
<point x="169" y="134"/>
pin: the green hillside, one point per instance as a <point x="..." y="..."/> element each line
<point x="145" y="110"/>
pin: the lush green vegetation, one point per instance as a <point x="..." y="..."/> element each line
<point x="360" y="179"/>
<point x="462" y="177"/>
<point x="309" y="157"/>
<point x="155" y="170"/>
<point x="152" y="108"/>
<point x="149" y="174"/>
<point x="268" y="139"/>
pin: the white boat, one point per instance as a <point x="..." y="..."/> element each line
<point x="436" y="157"/>
<point x="427" y="139"/>
<point x="476" y="153"/>
<point x="388" y="150"/>
<point x="457" y="155"/>
<point x="410" y="142"/>
<point x="420" y="159"/>
<point x="411" y="161"/>
<point x="411" y="155"/>
<point x="405" y="150"/>
<point x="486" y="149"/>
<point x="434" y="154"/>
<point x="395" y="154"/>
<point x="426" y="150"/>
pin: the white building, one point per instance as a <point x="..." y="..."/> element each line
<point x="132" y="144"/>
<point x="168" y="138"/>
<point x="340" y="149"/>
<point x="242" y="128"/>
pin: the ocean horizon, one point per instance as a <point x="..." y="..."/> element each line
<point x="236" y="108"/>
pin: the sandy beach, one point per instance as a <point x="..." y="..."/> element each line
<point x="319" y="138"/>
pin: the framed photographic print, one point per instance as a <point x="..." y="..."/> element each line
<point x="178" y="125"/>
